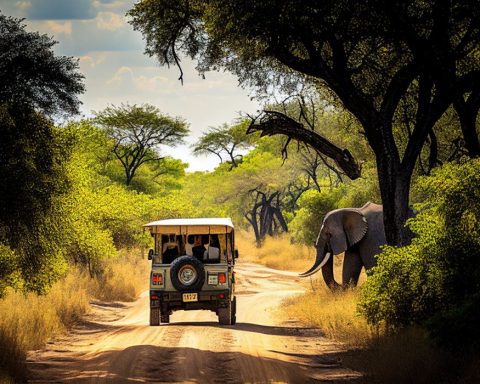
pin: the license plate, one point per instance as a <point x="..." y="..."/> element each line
<point x="189" y="297"/>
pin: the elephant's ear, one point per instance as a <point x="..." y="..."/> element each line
<point x="355" y="226"/>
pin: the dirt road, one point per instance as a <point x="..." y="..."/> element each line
<point x="116" y="344"/>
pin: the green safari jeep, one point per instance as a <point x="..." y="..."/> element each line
<point x="192" y="268"/>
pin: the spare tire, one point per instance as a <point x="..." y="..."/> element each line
<point x="187" y="273"/>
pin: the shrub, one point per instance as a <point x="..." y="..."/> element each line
<point x="436" y="280"/>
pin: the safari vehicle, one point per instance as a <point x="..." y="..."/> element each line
<point x="192" y="268"/>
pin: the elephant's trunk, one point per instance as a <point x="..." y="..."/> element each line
<point x="321" y="260"/>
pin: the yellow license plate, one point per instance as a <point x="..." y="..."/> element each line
<point x="189" y="297"/>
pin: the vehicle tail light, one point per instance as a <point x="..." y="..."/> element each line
<point x="157" y="279"/>
<point x="154" y="297"/>
<point x="221" y="295"/>
<point x="222" y="278"/>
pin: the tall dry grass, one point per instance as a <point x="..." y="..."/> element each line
<point x="276" y="252"/>
<point x="334" y="313"/>
<point x="123" y="279"/>
<point x="28" y="321"/>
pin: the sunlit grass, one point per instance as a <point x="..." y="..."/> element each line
<point x="28" y="321"/>
<point x="334" y="313"/>
<point x="123" y="279"/>
<point x="276" y="252"/>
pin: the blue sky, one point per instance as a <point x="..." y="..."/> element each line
<point x="116" y="70"/>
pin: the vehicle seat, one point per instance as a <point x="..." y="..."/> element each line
<point x="170" y="252"/>
<point x="212" y="254"/>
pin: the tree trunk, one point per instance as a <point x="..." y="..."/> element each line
<point x="395" y="190"/>
<point x="467" y="113"/>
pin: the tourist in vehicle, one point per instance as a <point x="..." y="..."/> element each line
<point x="198" y="248"/>
<point x="170" y="248"/>
<point x="213" y="252"/>
<point x="189" y="245"/>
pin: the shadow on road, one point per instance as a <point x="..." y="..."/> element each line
<point x="148" y="363"/>
<point x="256" y="328"/>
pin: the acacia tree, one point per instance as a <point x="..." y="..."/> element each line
<point x="225" y="141"/>
<point x="137" y="133"/>
<point x="369" y="54"/>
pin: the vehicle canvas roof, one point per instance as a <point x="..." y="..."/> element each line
<point x="192" y="226"/>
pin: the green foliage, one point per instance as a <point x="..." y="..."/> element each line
<point x="31" y="75"/>
<point x="227" y="141"/>
<point x="33" y="178"/>
<point x="99" y="214"/>
<point x="313" y="205"/>
<point x="436" y="280"/>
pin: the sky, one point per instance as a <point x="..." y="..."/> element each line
<point x="116" y="70"/>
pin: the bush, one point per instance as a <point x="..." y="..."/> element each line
<point x="436" y="280"/>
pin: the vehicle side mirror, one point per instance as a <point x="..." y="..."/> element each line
<point x="235" y="253"/>
<point x="150" y="254"/>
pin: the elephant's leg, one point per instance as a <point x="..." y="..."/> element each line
<point x="352" y="266"/>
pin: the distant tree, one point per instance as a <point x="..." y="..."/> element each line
<point x="225" y="141"/>
<point x="137" y="133"/>
<point x="30" y="73"/>
<point x="370" y="55"/>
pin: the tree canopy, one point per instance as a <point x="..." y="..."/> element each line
<point x="138" y="132"/>
<point x="32" y="75"/>
<point x="371" y="55"/>
<point x="225" y="140"/>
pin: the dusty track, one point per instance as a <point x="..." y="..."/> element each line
<point x="116" y="344"/>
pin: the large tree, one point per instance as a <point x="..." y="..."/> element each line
<point x="35" y="85"/>
<point x="370" y="54"/>
<point x="138" y="131"/>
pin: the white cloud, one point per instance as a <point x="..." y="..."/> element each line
<point x="58" y="28"/>
<point x="110" y="21"/>
<point x="92" y="60"/>
<point x="121" y="75"/>
<point x="125" y="77"/>
<point x="23" y="5"/>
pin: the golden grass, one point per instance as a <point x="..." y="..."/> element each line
<point x="277" y="252"/>
<point x="124" y="278"/>
<point x="334" y="313"/>
<point x="27" y="321"/>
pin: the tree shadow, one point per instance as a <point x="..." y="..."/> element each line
<point x="256" y="328"/>
<point x="149" y="363"/>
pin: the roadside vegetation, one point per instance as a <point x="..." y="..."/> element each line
<point x="375" y="119"/>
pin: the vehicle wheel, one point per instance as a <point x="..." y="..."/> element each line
<point x="187" y="273"/>
<point x="154" y="316"/>
<point x="225" y="315"/>
<point x="234" y="311"/>
<point x="165" y="319"/>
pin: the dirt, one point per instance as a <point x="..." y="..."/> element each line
<point x="115" y="344"/>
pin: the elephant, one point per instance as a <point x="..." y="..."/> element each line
<point x="359" y="232"/>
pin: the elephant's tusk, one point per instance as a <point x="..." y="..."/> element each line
<point x="316" y="268"/>
<point x="327" y="256"/>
